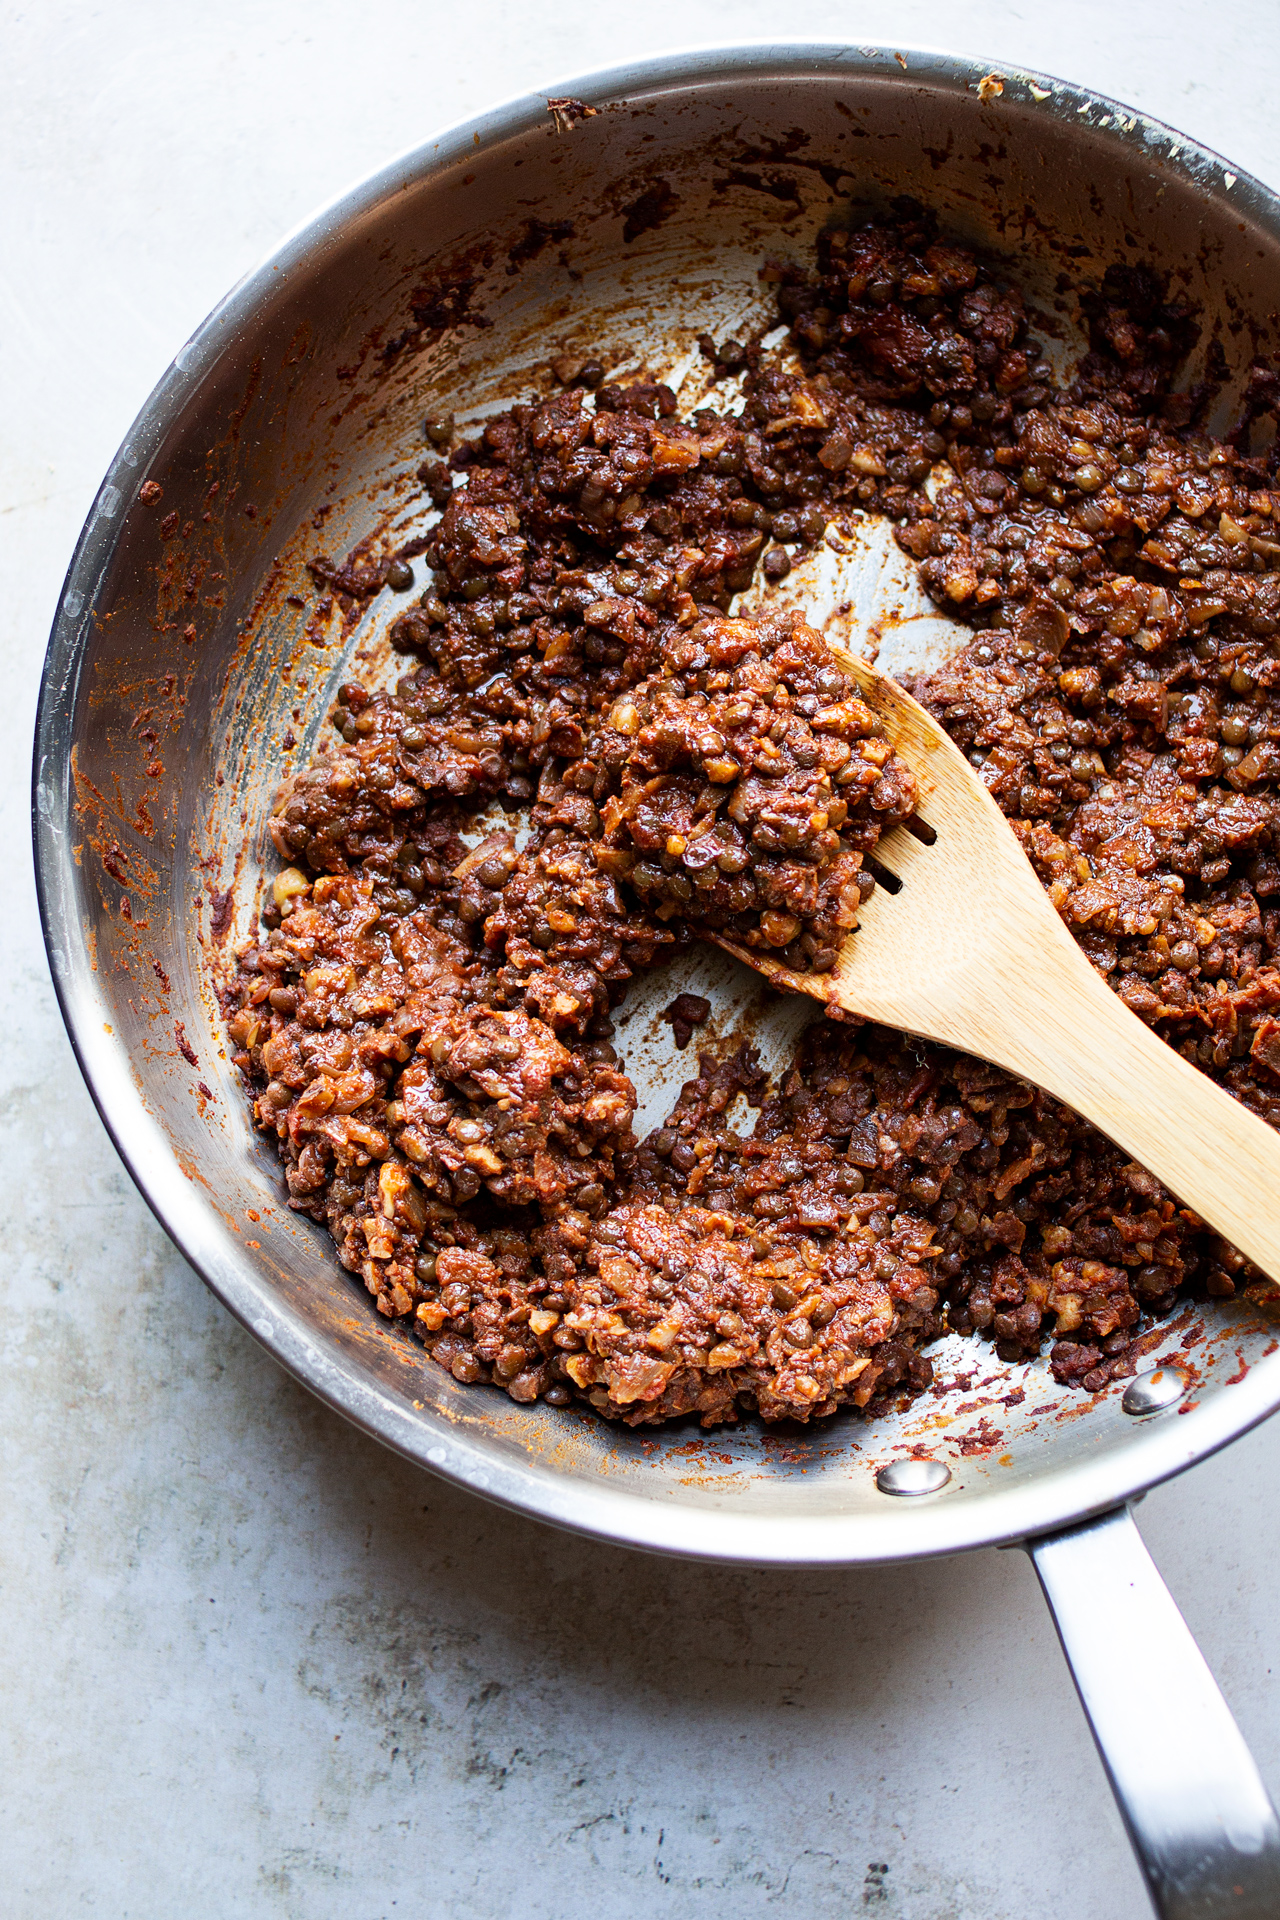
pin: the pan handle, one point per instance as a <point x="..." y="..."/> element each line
<point x="1201" y="1821"/>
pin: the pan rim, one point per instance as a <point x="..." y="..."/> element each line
<point x="696" y="1530"/>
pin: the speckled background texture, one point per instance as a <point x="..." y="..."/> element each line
<point x="253" y="1665"/>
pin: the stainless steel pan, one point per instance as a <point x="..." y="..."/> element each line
<point x="178" y="663"/>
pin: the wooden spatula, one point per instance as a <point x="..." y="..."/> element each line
<point x="970" y="952"/>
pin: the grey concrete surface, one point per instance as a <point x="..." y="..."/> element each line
<point x="252" y="1665"/>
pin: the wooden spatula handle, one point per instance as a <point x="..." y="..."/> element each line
<point x="1084" y="1045"/>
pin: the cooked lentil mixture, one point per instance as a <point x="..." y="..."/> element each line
<point x="425" y="1025"/>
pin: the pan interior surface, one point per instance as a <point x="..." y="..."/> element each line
<point x="186" y="676"/>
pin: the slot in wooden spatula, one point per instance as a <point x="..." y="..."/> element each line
<point x="969" y="951"/>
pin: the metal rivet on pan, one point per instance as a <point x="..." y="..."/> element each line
<point x="1151" y="1392"/>
<point x="911" y="1477"/>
